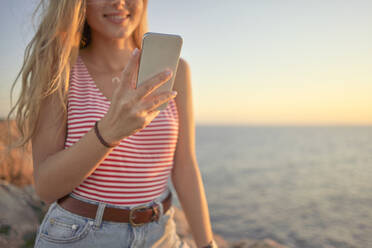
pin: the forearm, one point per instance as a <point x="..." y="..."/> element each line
<point x="60" y="173"/>
<point x="188" y="184"/>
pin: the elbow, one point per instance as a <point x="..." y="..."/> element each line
<point x="41" y="194"/>
<point x="41" y="191"/>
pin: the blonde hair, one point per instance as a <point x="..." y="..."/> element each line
<point x="48" y="58"/>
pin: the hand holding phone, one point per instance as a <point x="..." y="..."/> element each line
<point x="131" y="109"/>
<point x="159" y="51"/>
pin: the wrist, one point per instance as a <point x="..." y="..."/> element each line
<point x="105" y="137"/>
<point x="211" y="244"/>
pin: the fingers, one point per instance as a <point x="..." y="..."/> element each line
<point x="130" y="69"/>
<point x="159" y="100"/>
<point x="153" y="83"/>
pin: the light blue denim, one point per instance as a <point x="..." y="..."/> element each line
<point x="62" y="228"/>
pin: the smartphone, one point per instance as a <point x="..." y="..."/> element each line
<point x="159" y="51"/>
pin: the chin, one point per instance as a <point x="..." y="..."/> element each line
<point x="121" y="35"/>
<point x="116" y="33"/>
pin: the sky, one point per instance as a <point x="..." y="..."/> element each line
<point x="253" y="62"/>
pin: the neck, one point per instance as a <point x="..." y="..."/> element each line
<point x="109" y="55"/>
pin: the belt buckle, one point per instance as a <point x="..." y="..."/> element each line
<point x="131" y="217"/>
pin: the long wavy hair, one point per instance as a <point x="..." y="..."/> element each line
<point x="48" y="58"/>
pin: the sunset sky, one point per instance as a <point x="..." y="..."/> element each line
<point x="256" y="62"/>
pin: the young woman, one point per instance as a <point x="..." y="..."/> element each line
<point x="102" y="153"/>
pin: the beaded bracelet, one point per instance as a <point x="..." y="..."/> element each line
<point x="100" y="137"/>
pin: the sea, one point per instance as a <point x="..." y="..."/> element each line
<point x="302" y="186"/>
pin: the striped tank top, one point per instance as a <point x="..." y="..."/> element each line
<point x="136" y="171"/>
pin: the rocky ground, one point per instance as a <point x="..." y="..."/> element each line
<point x="22" y="212"/>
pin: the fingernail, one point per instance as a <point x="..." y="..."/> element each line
<point x="174" y="93"/>
<point x="168" y="71"/>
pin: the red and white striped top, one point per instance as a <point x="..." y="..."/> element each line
<point x="136" y="171"/>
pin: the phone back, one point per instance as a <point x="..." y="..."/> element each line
<point x="159" y="51"/>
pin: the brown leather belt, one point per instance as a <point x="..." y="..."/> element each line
<point x="136" y="216"/>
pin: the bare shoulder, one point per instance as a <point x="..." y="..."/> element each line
<point x="182" y="64"/>
<point x="185" y="149"/>
<point x="183" y="68"/>
<point x="182" y="82"/>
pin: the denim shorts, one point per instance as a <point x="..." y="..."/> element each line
<point x="62" y="228"/>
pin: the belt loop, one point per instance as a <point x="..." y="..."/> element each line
<point x="99" y="214"/>
<point x="161" y="209"/>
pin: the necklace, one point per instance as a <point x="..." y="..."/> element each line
<point x="115" y="80"/>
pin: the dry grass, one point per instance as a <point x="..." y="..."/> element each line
<point x="16" y="165"/>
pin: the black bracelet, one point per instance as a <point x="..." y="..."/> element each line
<point x="100" y="137"/>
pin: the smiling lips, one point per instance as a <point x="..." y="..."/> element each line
<point x="116" y="18"/>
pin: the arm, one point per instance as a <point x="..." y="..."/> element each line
<point x="57" y="171"/>
<point x="186" y="176"/>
